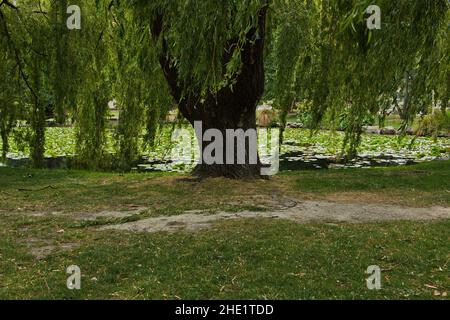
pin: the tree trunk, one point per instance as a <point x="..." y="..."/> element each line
<point x="404" y="111"/>
<point x="226" y="109"/>
<point x="37" y="142"/>
<point x="5" y="143"/>
<point x="228" y="117"/>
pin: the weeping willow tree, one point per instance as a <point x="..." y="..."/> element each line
<point x="293" y="54"/>
<point x="94" y="89"/>
<point x="212" y="56"/>
<point x="341" y="66"/>
<point x="8" y="85"/>
<point x="8" y="96"/>
<point x="23" y="39"/>
<point x="141" y="95"/>
<point x="209" y="58"/>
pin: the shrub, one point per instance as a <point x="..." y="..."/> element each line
<point x="435" y="124"/>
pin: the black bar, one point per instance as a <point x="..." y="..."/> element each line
<point x="183" y="310"/>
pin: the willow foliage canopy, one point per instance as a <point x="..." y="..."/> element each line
<point x="214" y="59"/>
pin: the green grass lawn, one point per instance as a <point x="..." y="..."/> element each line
<point x="72" y="190"/>
<point x="423" y="184"/>
<point x="247" y="258"/>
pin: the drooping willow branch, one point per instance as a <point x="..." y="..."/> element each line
<point x="16" y="52"/>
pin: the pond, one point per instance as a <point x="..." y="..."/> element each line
<point x="300" y="150"/>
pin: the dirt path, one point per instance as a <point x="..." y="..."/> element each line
<point x="308" y="211"/>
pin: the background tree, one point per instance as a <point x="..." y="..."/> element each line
<point x="345" y="68"/>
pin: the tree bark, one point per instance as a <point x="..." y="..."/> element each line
<point x="5" y="143"/>
<point x="228" y="108"/>
<point x="405" y="109"/>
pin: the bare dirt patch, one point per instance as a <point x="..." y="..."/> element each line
<point x="41" y="253"/>
<point x="109" y="214"/>
<point x="41" y="248"/>
<point x="307" y="211"/>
